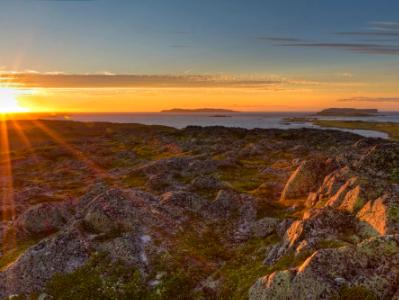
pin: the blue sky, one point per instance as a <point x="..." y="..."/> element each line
<point x="125" y="36"/>
<point x="283" y="52"/>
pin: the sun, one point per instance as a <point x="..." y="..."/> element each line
<point x="9" y="101"/>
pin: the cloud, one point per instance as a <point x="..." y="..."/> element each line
<point x="370" y="33"/>
<point x="376" y="29"/>
<point x="179" y="46"/>
<point x="110" y="80"/>
<point x="370" y="99"/>
<point x="280" y="39"/>
<point x="385" y="25"/>
<point x="364" y="48"/>
<point x="384" y="37"/>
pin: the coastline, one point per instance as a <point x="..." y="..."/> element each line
<point x="391" y="129"/>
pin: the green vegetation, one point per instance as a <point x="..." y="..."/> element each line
<point x="325" y="244"/>
<point x="395" y="175"/>
<point x="355" y="293"/>
<point x="392" y="129"/>
<point x="207" y="245"/>
<point x="135" y="180"/>
<point x="245" y="267"/>
<point x="13" y="254"/>
<point x="267" y="208"/>
<point x="99" y="278"/>
<point x="243" y="178"/>
<point x="393" y="213"/>
<point x="290" y="260"/>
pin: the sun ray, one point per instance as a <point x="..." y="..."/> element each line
<point x="6" y="184"/>
<point x="20" y="132"/>
<point x="76" y="152"/>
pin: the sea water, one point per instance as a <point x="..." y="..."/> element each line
<point x="243" y="120"/>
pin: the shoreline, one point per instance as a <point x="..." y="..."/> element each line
<point x="391" y="129"/>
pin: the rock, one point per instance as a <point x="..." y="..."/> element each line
<point x="161" y="182"/>
<point x="339" y="197"/>
<point x="44" y="218"/>
<point x="206" y="183"/>
<point x="112" y="222"/>
<point x="381" y="216"/>
<point x="226" y="203"/>
<point x="318" y="226"/>
<point x="182" y="199"/>
<point x="371" y="265"/>
<point x="64" y="252"/>
<point x="381" y="161"/>
<point x="264" y="227"/>
<point x="308" y="177"/>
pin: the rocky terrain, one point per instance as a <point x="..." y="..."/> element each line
<point x="127" y="211"/>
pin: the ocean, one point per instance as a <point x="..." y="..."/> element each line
<point x="243" y="120"/>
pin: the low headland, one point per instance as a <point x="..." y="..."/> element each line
<point x="348" y="112"/>
<point x="199" y="110"/>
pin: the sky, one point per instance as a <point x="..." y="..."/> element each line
<point x="266" y="55"/>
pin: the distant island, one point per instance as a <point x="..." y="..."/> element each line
<point x="350" y="112"/>
<point x="198" y="110"/>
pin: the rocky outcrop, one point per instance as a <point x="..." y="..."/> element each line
<point x="307" y="178"/>
<point x="111" y="221"/>
<point x="64" y="252"/>
<point x="348" y="231"/>
<point x="372" y="265"/>
<point x="319" y="226"/>
<point x="44" y="218"/>
<point x="196" y="213"/>
<point x="381" y="216"/>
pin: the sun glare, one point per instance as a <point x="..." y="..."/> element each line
<point x="9" y="101"/>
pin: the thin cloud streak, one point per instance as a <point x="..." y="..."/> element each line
<point x="370" y="33"/>
<point x="385" y="25"/>
<point x="280" y="39"/>
<point x="353" y="47"/>
<point x="379" y="31"/>
<point x="371" y="99"/>
<point x="43" y="80"/>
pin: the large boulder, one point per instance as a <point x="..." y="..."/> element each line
<point x="113" y="221"/>
<point x="380" y="216"/>
<point x="318" y="226"/>
<point x="182" y="199"/>
<point x="307" y="178"/>
<point x="44" y="218"/>
<point x="62" y="253"/>
<point x="371" y="266"/>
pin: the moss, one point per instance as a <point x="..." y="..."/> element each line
<point x="395" y="175"/>
<point x="326" y="244"/>
<point x="393" y="213"/>
<point x="246" y="266"/>
<point x="290" y="260"/>
<point x="135" y="180"/>
<point x="355" y="293"/>
<point x="207" y="244"/>
<point x="270" y="209"/>
<point x="13" y="254"/>
<point x="100" y="278"/>
<point x="242" y="179"/>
